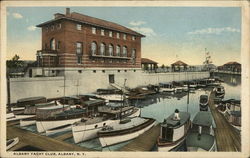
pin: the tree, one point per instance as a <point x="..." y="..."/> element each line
<point x="162" y="66"/>
<point x="14" y="62"/>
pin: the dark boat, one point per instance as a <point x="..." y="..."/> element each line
<point x="204" y="103"/>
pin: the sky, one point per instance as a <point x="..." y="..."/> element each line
<point x="172" y="33"/>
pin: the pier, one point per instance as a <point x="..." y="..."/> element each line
<point x="227" y="138"/>
<point x="27" y="138"/>
<point x="145" y="142"/>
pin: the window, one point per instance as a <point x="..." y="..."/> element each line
<point x="47" y="29"/>
<point x="102" y="32"/>
<point x="102" y="49"/>
<point x="133" y="53"/>
<point x="124" y="36"/>
<point x="118" y="70"/>
<point x="118" y="50"/>
<point x="93" y="48"/>
<point x="59" y="26"/>
<point x="93" y="30"/>
<point x="78" y="48"/>
<point x="103" y="71"/>
<point x="94" y="71"/>
<point x="124" y="51"/>
<point x="58" y="44"/>
<point x="117" y="35"/>
<point x="133" y="38"/>
<point x="53" y="44"/>
<point x="111" y="49"/>
<point x="52" y="27"/>
<point x="78" y="26"/>
<point x="110" y="33"/>
<point x="79" y="71"/>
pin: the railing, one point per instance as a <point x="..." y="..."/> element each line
<point x="108" y="56"/>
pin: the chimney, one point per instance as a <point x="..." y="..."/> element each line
<point x="176" y="115"/>
<point x="67" y="11"/>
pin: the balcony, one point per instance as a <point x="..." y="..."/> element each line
<point x="47" y="52"/>
<point x="109" y="57"/>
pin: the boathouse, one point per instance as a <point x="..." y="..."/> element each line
<point x="179" y="66"/>
<point x="230" y="66"/>
<point x="148" y="64"/>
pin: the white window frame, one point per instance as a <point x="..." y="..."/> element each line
<point x="133" y="38"/>
<point x="118" y="35"/>
<point x="79" y="46"/>
<point x="102" y="49"/>
<point x="124" y="36"/>
<point x="93" y="30"/>
<point x="93" y="50"/>
<point x="110" y="34"/>
<point x="124" y="53"/>
<point x="111" y="50"/>
<point x="78" y="27"/>
<point x="118" y="53"/>
<point x="102" y="32"/>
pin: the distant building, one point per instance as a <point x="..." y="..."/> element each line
<point x="230" y="66"/>
<point x="179" y="66"/>
<point x="74" y="40"/>
<point x="148" y="64"/>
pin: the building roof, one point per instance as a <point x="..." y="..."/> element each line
<point x="81" y="18"/>
<point x="147" y="61"/>
<point x="179" y="63"/>
<point x="232" y="63"/>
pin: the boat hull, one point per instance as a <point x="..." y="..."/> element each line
<point x="86" y="132"/>
<point x="15" y="141"/>
<point x="51" y="131"/>
<point x="111" y="140"/>
<point x="170" y="147"/>
<point x="42" y="126"/>
<point x="24" y="122"/>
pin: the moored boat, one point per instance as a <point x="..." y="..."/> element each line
<point x="124" y="131"/>
<point x="201" y="136"/>
<point x="87" y="128"/>
<point x="219" y="91"/>
<point x="233" y="114"/>
<point x="11" y="143"/>
<point x="204" y="103"/>
<point x="55" y="130"/>
<point x="48" y="118"/>
<point x="166" y="87"/>
<point x="174" y="130"/>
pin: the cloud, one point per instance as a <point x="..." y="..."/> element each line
<point x="31" y="28"/>
<point x="144" y="30"/>
<point x="137" y="23"/>
<point x="17" y="16"/>
<point x="214" y="31"/>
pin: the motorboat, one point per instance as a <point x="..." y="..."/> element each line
<point x="87" y="128"/>
<point x="54" y="119"/>
<point x="201" y="136"/>
<point x="204" y="102"/>
<point x="11" y="143"/>
<point x="124" y="131"/>
<point x="174" y="130"/>
<point x="166" y="87"/>
<point x="219" y="91"/>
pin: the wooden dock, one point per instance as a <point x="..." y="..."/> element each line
<point x="144" y="142"/>
<point x="227" y="138"/>
<point x="41" y="142"/>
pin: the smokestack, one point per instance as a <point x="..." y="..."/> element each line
<point x="176" y="115"/>
<point x="67" y="11"/>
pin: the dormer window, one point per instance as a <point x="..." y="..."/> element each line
<point x="78" y="26"/>
<point x="102" y="32"/>
<point x="110" y="34"/>
<point x="93" y="30"/>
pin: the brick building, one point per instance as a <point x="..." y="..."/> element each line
<point x="74" y="40"/>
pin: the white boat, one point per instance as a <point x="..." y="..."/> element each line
<point x="10" y="115"/>
<point x="201" y="136"/>
<point x="111" y="97"/>
<point x="17" y="108"/>
<point x="59" y="119"/>
<point x="233" y="115"/>
<point x="12" y="142"/>
<point x="193" y="85"/>
<point x="178" y="89"/>
<point x="27" y="121"/>
<point x="166" y="87"/>
<point x="124" y="131"/>
<point x="174" y="130"/>
<point x="87" y="129"/>
<point x="63" y="128"/>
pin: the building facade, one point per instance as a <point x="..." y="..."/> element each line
<point x="74" y="40"/>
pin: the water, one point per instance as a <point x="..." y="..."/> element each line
<point x="160" y="106"/>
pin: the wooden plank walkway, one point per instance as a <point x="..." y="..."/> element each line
<point x="41" y="142"/>
<point x="144" y="142"/>
<point x="227" y="138"/>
